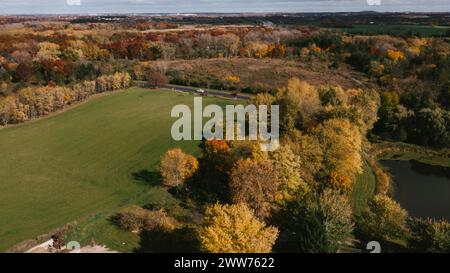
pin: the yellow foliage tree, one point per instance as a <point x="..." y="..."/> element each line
<point x="341" y="143"/>
<point x="366" y="103"/>
<point x="310" y="152"/>
<point x="48" y="52"/>
<point x="234" y="229"/>
<point x="12" y="111"/>
<point x="257" y="50"/>
<point x="176" y="167"/>
<point x="125" y="80"/>
<point x="233" y="79"/>
<point x="289" y="169"/>
<point x="263" y="99"/>
<point x="395" y="55"/>
<point x="303" y="97"/>
<point x="116" y="81"/>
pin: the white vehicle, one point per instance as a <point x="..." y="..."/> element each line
<point x="201" y="91"/>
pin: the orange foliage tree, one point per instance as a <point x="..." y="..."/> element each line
<point x="339" y="182"/>
<point x="395" y="55"/>
<point x="217" y="154"/>
<point x="176" y="167"/>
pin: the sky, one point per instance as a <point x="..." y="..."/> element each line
<point x="197" y="6"/>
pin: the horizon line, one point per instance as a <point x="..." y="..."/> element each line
<point x="225" y="12"/>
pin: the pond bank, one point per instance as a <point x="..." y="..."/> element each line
<point x="401" y="152"/>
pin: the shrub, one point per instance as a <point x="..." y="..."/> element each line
<point x="429" y="235"/>
<point x="135" y="218"/>
<point x="132" y="218"/>
<point x="158" y="220"/>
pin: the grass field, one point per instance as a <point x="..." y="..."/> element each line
<point x="364" y="189"/>
<point x="84" y="161"/>
<point x="421" y="30"/>
<point x="100" y="227"/>
<point x="423" y="158"/>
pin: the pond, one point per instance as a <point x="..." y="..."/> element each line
<point x="423" y="190"/>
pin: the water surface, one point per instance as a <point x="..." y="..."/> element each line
<point x="423" y="190"/>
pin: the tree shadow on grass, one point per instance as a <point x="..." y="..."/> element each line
<point x="182" y="240"/>
<point x="114" y="220"/>
<point x="148" y="177"/>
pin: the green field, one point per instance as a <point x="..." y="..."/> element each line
<point x="423" y="158"/>
<point x="364" y="189"/>
<point x="422" y="30"/>
<point x="103" y="231"/>
<point x="85" y="161"/>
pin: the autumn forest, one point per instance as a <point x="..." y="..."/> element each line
<point x="95" y="92"/>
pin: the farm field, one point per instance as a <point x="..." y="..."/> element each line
<point x="85" y="160"/>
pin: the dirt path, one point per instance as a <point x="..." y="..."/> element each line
<point x="42" y="248"/>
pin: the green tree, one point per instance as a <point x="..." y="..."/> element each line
<point x="389" y="101"/>
<point x="429" y="235"/>
<point x="431" y="127"/>
<point x="319" y="223"/>
<point x="332" y="95"/>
